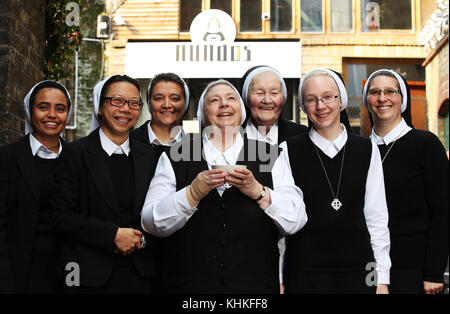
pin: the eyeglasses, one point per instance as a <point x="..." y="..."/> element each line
<point x="388" y="92"/>
<point x="312" y="101"/>
<point x="120" y="102"/>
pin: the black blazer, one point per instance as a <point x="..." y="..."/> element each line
<point x="19" y="213"/>
<point x="86" y="213"/>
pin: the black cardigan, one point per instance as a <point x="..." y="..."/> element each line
<point x="417" y="184"/>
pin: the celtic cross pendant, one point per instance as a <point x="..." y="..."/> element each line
<point x="336" y="204"/>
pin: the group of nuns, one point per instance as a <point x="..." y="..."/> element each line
<point x="332" y="212"/>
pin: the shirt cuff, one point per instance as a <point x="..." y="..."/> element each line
<point x="383" y="278"/>
<point x="183" y="203"/>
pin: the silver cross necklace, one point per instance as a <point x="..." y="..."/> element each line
<point x="336" y="203"/>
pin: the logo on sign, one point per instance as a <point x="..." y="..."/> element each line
<point x="213" y="26"/>
<point x="212" y="34"/>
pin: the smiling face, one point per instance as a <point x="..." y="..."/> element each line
<point x="167" y="104"/>
<point x="49" y="113"/>
<point x="117" y="121"/>
<point x="384" y="108"/>
<point x="266" y="98"/>
<point x="222" y="107"/>
<point x="323" y="116"/>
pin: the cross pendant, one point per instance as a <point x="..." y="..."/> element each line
<point x="336" y="204"/>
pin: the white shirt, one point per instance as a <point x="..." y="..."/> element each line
<point x="154" y="139"/>
<point x="111" y="148"/>
<point x="400" y="129"/>
<point x="375" y="206"/>
<point x="167" y="210"/>
<point x="271" y="137"/>
<point x="38" y="149"/>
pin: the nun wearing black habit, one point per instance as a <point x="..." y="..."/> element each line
<point x="99" y="191"/>
<point x="220" y="228"/>
<point x="264" y="94"/>
<point x="167" y="100"/>
<point x="344" y="247"/>
<point x="28" y="245"/>
<point x="417" y="184"/>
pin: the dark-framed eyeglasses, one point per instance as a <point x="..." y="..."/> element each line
<point x="312" y="101"/>
<point x="388" y="92"/>
<point x="120" y="102"/>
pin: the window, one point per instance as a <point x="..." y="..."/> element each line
<point x="224" y="5"/>
<point x="280" y="15"/>
<point x="384" y="15"/>
<point x="311" y="16"/>
<point x="341" y="19"/>
<point x="251" y="11"/>
<point x="188" y="11"/>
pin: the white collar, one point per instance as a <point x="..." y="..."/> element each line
<point x="400" y="129"/>
<point x="41" y="150"/>
<point x="154" y="139"/>
<point x="111" y="148"/>
<point x="230" y="156"/>
<point x="253" y="134"/>
<point x="330" y="149"/>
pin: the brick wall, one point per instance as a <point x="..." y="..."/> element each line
<point x="22" y="38"/>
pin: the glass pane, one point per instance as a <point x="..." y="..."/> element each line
<point x="224" y="5"/>
<point x="188" y="11"/>
<point x="341" y="16"/>
<point x="311" y="16"/>
<point x="251" y="11"/>
<point x="381" y="14"/>
<point x="280" y="15"/>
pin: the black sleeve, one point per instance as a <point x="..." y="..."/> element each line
<point x="6" y="278"/>
<point x="437" y="193"/>
<point x="66" y="202"/>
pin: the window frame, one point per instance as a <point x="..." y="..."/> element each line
<point x="265" y="32"/>
<point x="297" y="33"/>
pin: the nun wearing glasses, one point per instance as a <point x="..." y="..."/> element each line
<point x="99" y="192"/>
<point x="168" y="100"/>
<point x="416" y="177"/>
<point x="344" y="247"/>
<point x="219" y="227"/>
<point x="28" y="245"/>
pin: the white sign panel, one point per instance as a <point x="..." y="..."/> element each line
<point x="211" y="60"/>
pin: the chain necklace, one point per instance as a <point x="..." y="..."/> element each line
<point x="336" y="203"/>
<point x="382" y="161"/>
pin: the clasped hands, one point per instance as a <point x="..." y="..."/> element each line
<point x="127" y="240"/>
<point x="208" y="180"/>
